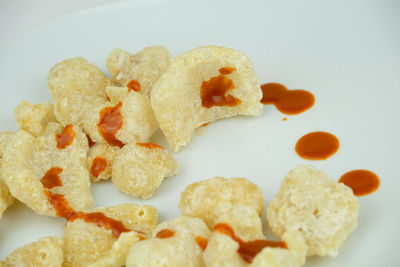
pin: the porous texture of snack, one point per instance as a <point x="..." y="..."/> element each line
<point x="145" y="67"/>
<point x="139" y="170"/>
<point x="180" y="249"/>
<point x="5" y="139"/>
<point x="6" y="199"/>
<point x="36" y="119"/>
<point x="85" y="243"/>
<point x="205" y="199"/>
<point x="47" y="251"/>
<point x="105" y="152"/>
<point x="176" y="96"/>
<point x="27" y="159"/>
<point x="324" y="211"/>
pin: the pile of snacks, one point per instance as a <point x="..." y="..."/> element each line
<point x="99" y="128"/>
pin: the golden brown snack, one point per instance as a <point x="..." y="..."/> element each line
<point x="174" y="243"/>
<point x="139" y="71"/>
<point x="204" y="199"/>
<point x="100" y="161"/>
<point x="324" y="211"/>
<point x="85" y="243"/>
<point x="47" y="251"/>
<point x="5" y="139"/>
<point x="6" y="199"/>
<point x="201" y="86"/>
<point x="139" y="169"/>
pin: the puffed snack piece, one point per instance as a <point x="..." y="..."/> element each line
<point x="35" y="168"/>
<point x="203" y="199"/>
<point x="203" y="85"/>
<point x="139" y="169"/>
<point x="139" y="72"/>
<point x="36" y="119"/>
<point x="6" y="199"/>
<point x="86" y="242"/>
<point x="47" y="251"/>
<point x="326" y="212"/>
<point x="179" y="242"/>
<point x="100" y="161"/>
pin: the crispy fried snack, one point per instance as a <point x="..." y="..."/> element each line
<point x="6" y="199"/>
<point x="100" y="161"/>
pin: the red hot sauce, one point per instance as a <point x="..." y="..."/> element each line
<point x="134" y="85"/>
<point x="149" y="145"/>
<point x="52" y="178"/>
<point x="201" y="242"/>
<point x="110" y="123"/>
<point x="317" y="146"/>
<point x="165" y="233"/>
<point x="99" y="164"/>
<point x="66" y="137"/>
<point x="362" y="182"/>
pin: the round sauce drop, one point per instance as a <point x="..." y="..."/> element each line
<point x="110" y="123"/>
<point x="248" y="250"/>
<point x="317" y="146"/>
<point x="134" y="85"/>
<point x="52" y="178"/>
<point x="201" y="242"/>
<point x="289" y="102"/>
<point x="66" y="137"/>
<point x="165" y="233"/>
<point x="99" y="164"/>
<point x="362" y="182"/>
<point x="226" y="70"/>
<point x="149" y="145"/>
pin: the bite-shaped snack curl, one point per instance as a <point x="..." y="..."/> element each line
<point x="100" y="161"/>
<point x="175" y="243"/>
<point x="47" y="251"/>
<point x="201" y="86"/>
<point x="203" y="199"/>
<point x="138" y="169"/>
<point x="95" y="235"/>
<point x="38" y="169"/>
<point x="324" y="211"/>
<point x="140" y="71"/>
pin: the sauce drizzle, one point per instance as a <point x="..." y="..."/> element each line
<point x="134" y="85"/>
<point x="51" y="178"/>
<point x="165" y="233"/>
<point x="248" y="250"/>
<point x="110" y="123"/>
<point x="317" y="146"/>
<point x="226" y="70"/>
<point x="362" y="182"/>
<point x="99" y="164"/>
<point x="289" y="102"/>
<point x="66" y="137"/>
<point x="150" y="145"/>
<point x="202" y="242"/>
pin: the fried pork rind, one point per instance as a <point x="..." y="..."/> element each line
<point x="176" y="98"/>
<point x="47" y="251"/>
<point x="36" y="119"/>
<point x="27" y="159"/>
<point x="145" y="67"/>
<point x="181" y="249"/>
<point x="324" y="211"/>
<point x="204" y="199"/>
<point x="85" y="243"/>
<point x="6" y="199"/>
<point x="106" y="152"/>
<point x="138" y="170"/>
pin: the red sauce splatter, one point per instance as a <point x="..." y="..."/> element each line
<point x="60" y="204"/>
<point x="134" y="85"/>
<point x="110" y="123"/>
<point x="165" y="233"/>
<point x="99" y="164"/>
<point x="149" y="145"/>
<point x="214" y="92"/>
<point x="66" y="137"/>
<point x="202" y="242"/>
<point x="362" y="182"/>
<point x="90" y="141"/>
<point x="248" y="250"/>
<point x="289" y="102"/>
<point x="227" y="70"/>
<point x="51" y="178"/>
<point x="317" y="146"/>
<point x="284" y="119"/>
<point x="204" y="124"/>
<point x="108" y="98"/>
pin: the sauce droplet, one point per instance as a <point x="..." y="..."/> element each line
<point x="110" y="123"/>
<point x="90" y="141"/>
<point x="362" y="182"/>
<point x="227" y="70"/>
<point x="284" y="119"/>
<point x="317" y="146"/>
<point x="205" y="124"/>
<point x="201" y="242"/>
<point x="99" y="164"/>
<point x="289" y="102"/>
<point x="248" y="250"/>
<point x="66" y="137"/>
<point x="149" y="145"/>
<point x="165" y="233"/>
<point x="213" y="92"/>
<point x="51" y="178"/>
<point x="134" y="85"/>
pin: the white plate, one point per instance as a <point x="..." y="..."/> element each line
<point x="345" y="52"/>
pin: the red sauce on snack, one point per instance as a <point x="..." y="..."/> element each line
<point x="202" y="242"/>
<point x="165" y="233"/>
<point x="66" y="137"/>
<point x="60" y="204"/>
<point x="248" y="250"/>
<point x="214" y="91"/>
<point x="149" y="145"/>
<point x="362" y="182"/>
<point x="51" y="178"/>
<point x="227" y="70"/>
<point x="90" y="141"/>
<point x="110" y="123"/>
<point x="205" y="124"/>
<point x="134" y="85"/>
<point x="317" y="146"/>
<point x="99" y="164"/>
<point x="289" y="102"/>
